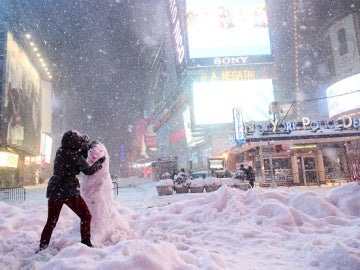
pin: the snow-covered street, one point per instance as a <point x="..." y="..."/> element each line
<point x="283" y="228"/>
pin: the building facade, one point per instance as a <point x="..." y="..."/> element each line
<point x="288" y="90"/>
<point x="25" y="109"/>
<point x="319" y="141"/>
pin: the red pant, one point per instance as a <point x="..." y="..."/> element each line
<point x="78" y="205"/>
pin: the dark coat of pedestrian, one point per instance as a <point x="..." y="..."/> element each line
<point x="250" y="174"/>
<point x="64" y="187"/>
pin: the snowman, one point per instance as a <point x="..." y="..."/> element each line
<point x="108" y="224"/>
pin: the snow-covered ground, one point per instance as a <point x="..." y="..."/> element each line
<point x="283" y="228"/>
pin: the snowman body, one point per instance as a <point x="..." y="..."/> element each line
<point x="107" y="224"/>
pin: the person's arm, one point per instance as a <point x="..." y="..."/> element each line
<point x="85" y="145"/>
<point x="90" y="169"/>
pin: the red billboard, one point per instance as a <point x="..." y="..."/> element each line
<point x="147" y="137"/>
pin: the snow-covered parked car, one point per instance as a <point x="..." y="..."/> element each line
<point x="198" y="174"/>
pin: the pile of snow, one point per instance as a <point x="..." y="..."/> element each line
<point x="283" y="228"/>
<point x="212" y="181"/>
<point x="197" y="182"/>
<point x="165" y="182"/>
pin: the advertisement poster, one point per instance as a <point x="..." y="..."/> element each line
<point x="147" y="137"/>
<point x="22" y="98"/>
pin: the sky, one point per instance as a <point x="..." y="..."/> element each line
<point x="261" y="228"/>
<point x="96" y="51"/>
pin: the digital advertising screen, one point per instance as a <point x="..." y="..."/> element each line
<point x="213" y="102"/>
<point x="46" y="147"/>
<point x="343" y="96"/>
<point x="228" y="28"/>
<point x="21" y="98"/>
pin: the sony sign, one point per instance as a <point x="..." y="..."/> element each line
<point x="176" y="30"/>
<point x="231" y="60"/>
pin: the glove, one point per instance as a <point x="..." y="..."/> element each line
<point x="98" y="163"/>
<point x="101" y="160"/>
<point x="98" y="167"/>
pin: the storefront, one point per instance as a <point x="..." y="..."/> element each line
<point x="25" y="113"/>
<point x="303" y="156"/>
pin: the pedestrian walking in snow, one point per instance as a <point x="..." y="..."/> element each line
<point x="250" y="175"/>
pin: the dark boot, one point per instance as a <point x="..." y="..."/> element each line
<point x="87" y="242"/>
<point x="42" y="247"/>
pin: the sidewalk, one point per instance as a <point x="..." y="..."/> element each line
<point x="133" y="181"/>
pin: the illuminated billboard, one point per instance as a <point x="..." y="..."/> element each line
<point x="227" y="32"/>
<point x="46" y="106"/>
<point x="147" y="137"/>
<point x="187" y="125"/>
<point x="21" y="98"/>
<point x="344" y="96"/>
<point x="46" y="147"/>
<point x="177" y="30"/>
<point x="213" y="102"/>
<point x="9" y="159"/>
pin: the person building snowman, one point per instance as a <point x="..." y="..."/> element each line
<point x="64" y="187"/>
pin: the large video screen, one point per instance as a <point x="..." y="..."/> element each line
<point x="343" y="96"/>
<point x="21" y="98"/>
<point x="227" y="28"/>
<point x="213" y="102"/>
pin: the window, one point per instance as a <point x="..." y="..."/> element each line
<point x="343" y="47"/>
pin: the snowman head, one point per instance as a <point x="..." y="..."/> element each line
<point x="96" y="151"/>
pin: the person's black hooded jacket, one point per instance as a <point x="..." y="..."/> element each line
<point x="69" y="162"/>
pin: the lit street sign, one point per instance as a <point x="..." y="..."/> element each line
<point x="239" y="126"/>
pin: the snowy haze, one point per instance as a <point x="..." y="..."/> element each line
<point x="283" y="228"/>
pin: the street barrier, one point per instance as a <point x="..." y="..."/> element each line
<point x="12" y="194"/>
<point x="115" y="188"/>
